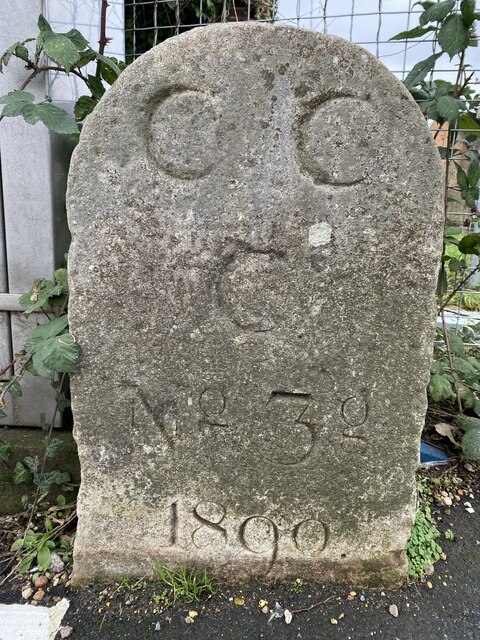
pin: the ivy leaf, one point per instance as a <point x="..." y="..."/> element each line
<point x="84" y="107"/>
<point x="471" y="444"/>
<point x="420" y="70"/>
<point x="440" y="388"/>
<point x="56" y="119"/>
<point x="32" y="463"/>
<point x="453" y="35"/>
<point x="437" y="12"/>
<point x="21" y="474"/>
<point x="448" y="108"/>
<point x="52" y="445"/>
<point x="417" y="32"/>
<point x="5" y="451"/>
<point x="467" y="7"/>
<point x="62" y="401"/>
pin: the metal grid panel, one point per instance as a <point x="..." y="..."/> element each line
<point x="369" y="23"/>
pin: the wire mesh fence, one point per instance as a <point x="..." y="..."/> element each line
<point x="368" y="23"/>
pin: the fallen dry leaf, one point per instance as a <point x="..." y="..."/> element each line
<point x="447" y="430"/>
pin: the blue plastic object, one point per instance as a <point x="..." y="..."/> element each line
<point x="431" y="453"/>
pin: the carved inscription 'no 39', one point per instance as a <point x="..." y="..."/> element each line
<point x="289" y="417"/>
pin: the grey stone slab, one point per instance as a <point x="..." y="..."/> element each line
<point x="256" y="214"/>
<point x="25" y="622"/>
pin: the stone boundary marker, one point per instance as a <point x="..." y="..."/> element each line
<point x="256" y="215"/>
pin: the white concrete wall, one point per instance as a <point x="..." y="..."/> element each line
<point x="34" y="165"/>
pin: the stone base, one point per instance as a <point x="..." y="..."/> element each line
<point x="383" y="571"/>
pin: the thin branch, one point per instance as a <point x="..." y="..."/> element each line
<point x="18" y="376"/>
<point x="450" y="359"/>
<point x="8" y="366"/>
<point x="312" y="606"/>
<point x="103" y="41"/>
<point x="458" y="288"/>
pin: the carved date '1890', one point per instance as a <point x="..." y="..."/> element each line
<point x="256" y="534"/>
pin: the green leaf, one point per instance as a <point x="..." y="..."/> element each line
<point x="51" y="328"/>
<point x="471" y="444"/>
<point x="437" y="12"/>
<point x="462" y="179"/>
<point x="473" y="173"/>
<point x="96" y="87"/>
<point x="56" y="119"/>
<point x="469" y="122"/>
<point x="25" y="564"/>
<point x="61" y="277"/>
<point x="470" y="244"/>
<point x="17" y="49"/>
<point x="453" y="35"/>
<point x="466" y="423"/>
<point x="84" y="107"/>
<point x="61" y="49"/>
<point x="21" y="474"/>
<point x="449" y="108"/>
<point x="61" y="501"/>
<point x="22" y="52"/>
<point x="62" y="477"/>
<point x="5" y="451"/>
<point x="43" y="25"/>
<point x="17" y="96"/>
<point x="63" y="354"/>
<point x="77" y="39"/>
<point x="462" y="365"/>
<point x="17" y="544"/>
<point x="111" y="63"/>
<point x="467" y="7"/>
<point x="44" y="557"/>
<point x="420" y="70"/>
<point x="52" y="445"/>
<point x="442" y="281"/>
<point x="62" y="401"/>
<point x="15" y="389"/>
<point x="440" y="388"/>
<point x="32" y="463"/>
<point x="456" y="344"/>
<point x="45" y="480"/>
<point x="417" y="32"/>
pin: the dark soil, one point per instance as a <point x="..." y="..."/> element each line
<point x="447" y="609"/>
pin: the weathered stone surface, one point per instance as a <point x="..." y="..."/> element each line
<point x="256" y="220"/>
